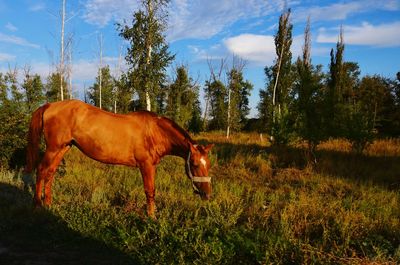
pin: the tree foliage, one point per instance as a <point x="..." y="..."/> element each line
<point x="52" y="87"/>
<point x="123" y="94"/>
<point x="217" y="92"/>
<point x="182" y="96"/>
<point x="276" y="98"/>
<point x="17" y="101"/>
<point x="239" y="92"/>
<point x="309" y="98"/>
<point x="148" y="55"/>
<point x="107" y="90"/>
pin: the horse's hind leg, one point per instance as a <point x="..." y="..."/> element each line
<point x="46" y="170"/>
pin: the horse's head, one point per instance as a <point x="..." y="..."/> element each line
<point x="197" y="167"/>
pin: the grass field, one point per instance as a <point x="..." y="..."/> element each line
<point x="268" y="207"/>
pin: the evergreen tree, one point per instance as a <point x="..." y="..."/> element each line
<point x="34" y="92"/>
<point x="238" y="99"/>
<point x="264" y="106"/>
<point x="161" y="98"/>
<point x="148" y="55"/>
<point x="123" y="94"/>
<point x="195" y="123"/>
<point x="107" y="85"/>
<point x="217" y="93"/>
<point x="182" y="96"/>
<point x="52" y="87"/>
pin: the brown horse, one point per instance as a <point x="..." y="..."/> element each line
<point x="139" y="139"/>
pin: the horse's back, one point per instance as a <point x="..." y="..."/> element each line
<point x="104" y="136"/>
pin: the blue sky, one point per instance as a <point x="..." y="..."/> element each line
<point x="199" y="30"/>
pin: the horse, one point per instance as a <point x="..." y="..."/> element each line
<point x="138" y="139"/>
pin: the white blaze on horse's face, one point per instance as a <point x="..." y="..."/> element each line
<point x="203" y="162"/>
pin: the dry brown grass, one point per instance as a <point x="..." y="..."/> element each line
<point x="268" y="207"/>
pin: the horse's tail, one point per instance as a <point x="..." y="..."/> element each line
<point x="34" y="136"/>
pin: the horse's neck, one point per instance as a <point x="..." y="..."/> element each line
<point x="179" y="143"/>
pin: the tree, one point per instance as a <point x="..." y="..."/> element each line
<point x="376" y="99"/>
<point x="195" y="123"/>
<point x="148" y="55"/>
<point x="61" y="70"/>
<point x="237" y="100"/>
<point x="123" y="94"/>
<point x="182" y="95"/>
<point x="34" y="91"/>
<point x="309" y="98"/>
<point x="13" y="118"/>
<point x="52" y="87"/>
<point x="275" y="100"/>
<point x="3" y="90"/>
<point x="335" y="89"/>
<point x="216" y="91"/>
<point x="107" y="85"/>
<point x="391" y="126"/>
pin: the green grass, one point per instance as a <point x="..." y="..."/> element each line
<point x="268" y="207"/>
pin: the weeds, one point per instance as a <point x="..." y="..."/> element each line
<point x="267" y="208"/>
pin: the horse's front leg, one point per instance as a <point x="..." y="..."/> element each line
<point x="148" y="171"/>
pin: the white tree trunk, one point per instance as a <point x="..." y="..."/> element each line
<point x="148" y="58"/>
<point x="229" y="113"/>
<point x="70" y="70"/>
<point x="148" y="55"/>
<point x="62" y="51"/>
<point x="101" y="65"/>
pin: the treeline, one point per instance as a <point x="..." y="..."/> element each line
<point x="300" y="101"/>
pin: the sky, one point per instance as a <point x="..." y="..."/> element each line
<point x="198" y="32"/>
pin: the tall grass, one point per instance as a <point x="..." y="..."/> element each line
<point x="268" y="207"/>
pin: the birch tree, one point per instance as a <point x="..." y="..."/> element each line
<point x="148" y="55"/>
<point x="62" y="51"/>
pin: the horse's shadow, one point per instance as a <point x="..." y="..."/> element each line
<point x="29" y="236"/>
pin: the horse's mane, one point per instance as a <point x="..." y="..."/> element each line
<point x="175" y="126"/>
<point x="166" y="124"/>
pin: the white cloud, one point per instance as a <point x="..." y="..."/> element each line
<point x="341" y="11"/>
<point x="11" y="27"/>
<point x="337" y="11"/>
<point x="5" y="57"/>
<point x="199" y="19"/>
<point x="37" y="7"/>
<point x="253" y="48"/>
<point x="101" y="12"/>
<point x="260" y="49"/>
<point x="384" y="35"/>
<point x="17" y="41"/>
<point x="202" y="19"/>
<point x="87" y="70"/>
<point x="215" y="52"/>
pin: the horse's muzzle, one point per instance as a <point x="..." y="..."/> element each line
<point x="204" y="196"/>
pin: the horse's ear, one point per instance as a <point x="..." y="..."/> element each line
<point x="208" y="147"/>
<point x="193" y="148"/>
